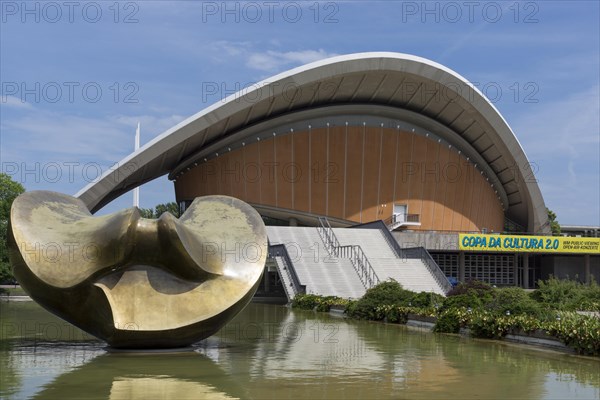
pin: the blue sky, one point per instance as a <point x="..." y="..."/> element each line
<point x="76" y="77"/>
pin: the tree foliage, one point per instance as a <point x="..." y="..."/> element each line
<point x="554" y="225"/>
<point x="160" y="209"/>
<point x="9" y="190"/>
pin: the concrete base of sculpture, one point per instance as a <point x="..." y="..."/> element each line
<point x="135" y="282"/>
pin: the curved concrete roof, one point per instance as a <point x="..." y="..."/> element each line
<point x="439" y="99"/>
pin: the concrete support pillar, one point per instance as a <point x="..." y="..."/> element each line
<point x="588" y="273"/>
<point x="526" y="271"/>
<point x="461" y="266"/>
<point x="517" y="280"/>
<point x="293" y="222"/>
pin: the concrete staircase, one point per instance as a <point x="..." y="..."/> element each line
<point x="285" y="278"/>
<point x="335" y="276"/>
<point x="321" y="273"/>
<point x="412" y="274"/>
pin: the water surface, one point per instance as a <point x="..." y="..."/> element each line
<point x="270" y="351"/>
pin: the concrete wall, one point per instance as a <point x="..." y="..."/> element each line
<point x="428" y="240"/>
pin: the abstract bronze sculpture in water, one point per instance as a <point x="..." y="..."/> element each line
<point x="136" y="282"/>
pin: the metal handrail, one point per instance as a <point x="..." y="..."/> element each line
<point x="355" y="253"/>
<point x="434" y="269"/>
<point x="279" y="250"/>
<point x="361" y="264"/>
<point x="328" y="236"/>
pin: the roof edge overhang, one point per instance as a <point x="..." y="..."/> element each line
<point x="121" y="179"/>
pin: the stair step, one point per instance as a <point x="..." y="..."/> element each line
<point x="332" y="276"/>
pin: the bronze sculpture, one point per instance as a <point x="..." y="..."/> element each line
<point x="136" y="282"/>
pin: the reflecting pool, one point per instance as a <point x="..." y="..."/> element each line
<point x="270" y="351"/>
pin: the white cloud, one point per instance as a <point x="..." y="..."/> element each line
<point x="566" y="126"/>
<point x="74" y="138"/>
<point x="14" y="102"/>
<point x="274" y="60"/>
<point x="253" y="56"/>
<point x="52" y="151"/>
<point x="563" y="139"/>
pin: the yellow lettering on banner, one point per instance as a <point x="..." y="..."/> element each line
<point x="528" y="244"/>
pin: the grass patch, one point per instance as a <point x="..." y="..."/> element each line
<point x="13" y="291"/>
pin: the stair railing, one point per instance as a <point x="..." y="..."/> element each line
<point x="355" y="253"/>
<point x="434" y="269"/>
<point x="279" y="250"/>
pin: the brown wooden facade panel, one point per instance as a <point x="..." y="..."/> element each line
<point x="335" y="172"/>
<point x="252" y="173"/>
<point x="472" y="201"/>
<point x="318" y="169"/>
<point x="387" y="173"/>
<point x="415" y="171"/>
<point x="452" y="176"/>
<point x="267" y="171"/>
<point x="224" y="176"/>
<point x="404" y="168"/>
<point x="235" y="167"/>
<point x="354" y="169"/>
<point x="439" y="204"/>
<point x="284" y="171"/>
<point x="301" y="200"/>
<point x="430" y="176"/>
<point x="372" y="163"/>
<point x="353" y="173"/>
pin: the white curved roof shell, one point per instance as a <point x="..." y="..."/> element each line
<point x="446" y="101"/>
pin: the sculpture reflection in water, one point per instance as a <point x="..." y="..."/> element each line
<point x="136" y="282"/>
<point x="187" y="375"/>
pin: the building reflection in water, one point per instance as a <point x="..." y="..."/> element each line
<point x="274" y="352"/>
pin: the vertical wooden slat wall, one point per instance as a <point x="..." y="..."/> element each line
<point x="356" y="173"/>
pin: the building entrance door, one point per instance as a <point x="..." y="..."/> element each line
<point x="400" y="213"/>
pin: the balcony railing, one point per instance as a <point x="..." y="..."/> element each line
<point x="398" y="220"/>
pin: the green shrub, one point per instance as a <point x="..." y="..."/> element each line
<point x="469" y="299"/>
<point x="582" y="333"/>
<point x="386" y="293"/>
<point x="583" y="304"/>
<point x="567" y="295"/>
<point x="448" y="322"/>
<point x="525" y="323"/>
<point x="324" y="304"/>
<point x="426" y="299"/>
<point x="392" y="313"/>
<point x="587" y="298"/>
<point x="470" y="286"/>
<point x="560" y="294"/>
<point x="318" y="303"/>
<point x="486" y="325"/>
<point x="305" y="301"/>
<point x="470" y="294"/>
<point x="514" y="300"/>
